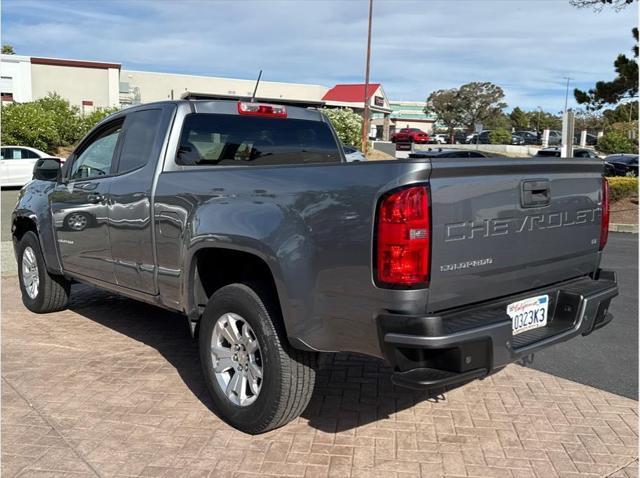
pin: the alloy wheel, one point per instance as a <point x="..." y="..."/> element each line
<point x="30" y="275"/>
<point x="237" y="359"/>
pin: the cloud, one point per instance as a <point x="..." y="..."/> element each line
<point x="526" y="46"/>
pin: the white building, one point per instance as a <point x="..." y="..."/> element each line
<point x="96" y="84"/>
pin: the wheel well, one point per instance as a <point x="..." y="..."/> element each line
<point x="215" y="268"/>
<point x="23" y="224"/>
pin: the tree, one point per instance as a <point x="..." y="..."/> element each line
<point x="479" y="102"/>
<point x="598" y="5"/>
<point x="445" y="106"/>
<point x="47" y="123"/>
<point x="500" y="136"/>
<point x="541" y="120"/>
<point x="519" y="119"/>
<point x="7" y="50"/>
<point x="472" y="103"/>
<point x="348" y="125"/>
<point x="616" y="142"/>
<point x="621" y="113"/>
<point x="625" y="85"/>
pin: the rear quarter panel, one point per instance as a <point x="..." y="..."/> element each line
<point x="311" y="224"/>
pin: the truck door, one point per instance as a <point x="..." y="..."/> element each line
<point x="79" y="205"/>
<point x="130" y="204"/>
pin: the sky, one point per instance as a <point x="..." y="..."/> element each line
<point x="525" y="46"/>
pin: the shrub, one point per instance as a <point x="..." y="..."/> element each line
<point x="29" y="124"/>
<point x="348" y="125"/>
<point x="500" y="136"/>
<point x="48" y="123"/>
<point x="616" y="142"/>
<point x="620" y="188"/>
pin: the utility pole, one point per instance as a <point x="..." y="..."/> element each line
<point x="566" y="97"/>
<point x="365" y="113"/>
<point x="538" y="124"/>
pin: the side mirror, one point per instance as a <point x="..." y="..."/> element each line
<point x="47" y="169"/>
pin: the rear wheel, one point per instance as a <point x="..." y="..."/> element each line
<point x="41" y="291"/>
<point x="257" y="381"/>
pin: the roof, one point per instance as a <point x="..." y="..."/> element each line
<point x="350" y="93"/>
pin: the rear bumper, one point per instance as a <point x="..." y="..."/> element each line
<point x="432" y="352"/>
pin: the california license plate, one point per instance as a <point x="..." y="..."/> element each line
<point x="528" y="314"/>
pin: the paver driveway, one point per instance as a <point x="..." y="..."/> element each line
<point x="112" y="387"/>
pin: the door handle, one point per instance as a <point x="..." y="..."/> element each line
<point x="96" y="198"/>
<point x="536" y="193"/>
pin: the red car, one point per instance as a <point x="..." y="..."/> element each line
<point x="410" y="135"/>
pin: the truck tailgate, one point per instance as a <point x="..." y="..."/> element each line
<point x="501" y="226"/>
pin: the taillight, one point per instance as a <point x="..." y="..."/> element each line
<point x="261" y="109"/>
<point x="604" y="225"/>
<point x="403" y="238"/>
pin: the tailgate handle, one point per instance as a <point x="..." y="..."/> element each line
<point x="535" y="193"/>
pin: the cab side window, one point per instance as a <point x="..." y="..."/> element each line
<point x="140" y="130"/>
<point x="95" y="158"/>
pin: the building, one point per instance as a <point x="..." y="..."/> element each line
<point x="410" y="114"/>
<point x="87" y="84"/>
<point x="96" y="84"/>
<point x="352" y="96"/>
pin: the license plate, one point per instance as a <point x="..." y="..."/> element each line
<point x="528" y="314"/>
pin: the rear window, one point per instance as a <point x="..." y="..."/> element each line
<point x="214" y="139"/>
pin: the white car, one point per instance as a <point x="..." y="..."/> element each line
<point x="353" y="154"/>
<point x="440" y="138"/>
<point x="16" y="164"/>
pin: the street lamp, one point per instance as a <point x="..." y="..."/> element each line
<point x="365" y="119"/>
<point x="566" y="97"/>
<point x="538" y="124"/>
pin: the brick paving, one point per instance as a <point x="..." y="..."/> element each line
<point x="112" y="387"/>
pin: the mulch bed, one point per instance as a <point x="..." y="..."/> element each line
<point x="624" y="211"/>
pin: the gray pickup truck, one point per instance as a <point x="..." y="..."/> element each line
<point x="246" y="218"/>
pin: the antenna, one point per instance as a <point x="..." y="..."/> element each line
<point x="253" y="97"/>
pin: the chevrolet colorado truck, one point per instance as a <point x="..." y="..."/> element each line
<point x="246" y="218"/>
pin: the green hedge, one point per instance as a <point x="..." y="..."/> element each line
<point x="47" y="123"/>
<point x="620" y="188"/>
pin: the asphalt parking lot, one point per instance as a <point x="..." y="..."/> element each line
<point x="608" y="358"/>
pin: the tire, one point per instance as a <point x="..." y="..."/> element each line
<point x="77" y="221"/>
<point x="287" y="374"/>
<point x="51" y="292"/>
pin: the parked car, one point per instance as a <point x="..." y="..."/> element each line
<point x="16" y="164"/>
<point x="459" y="137"/>
<point x="529" y="137"/>
<point x="440" y="138"/>
<point x="353" y="154"/>
<point x="623" y="164"/>
<point x="431" y="267"/>
<point x="555" y="151"/>
<point x="609" y="169"/>
<point x="555" y="137"/>
<point x="447" y="153"/>
<point x="592" y="139"/>
<point x="517" y="139"/>
<point x="410" y="135"/>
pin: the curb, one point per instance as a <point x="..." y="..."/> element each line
<point x="632" y="228"/>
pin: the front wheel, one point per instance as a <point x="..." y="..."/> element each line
<point x="257" y="381"/>
<point x="42" y="292"/>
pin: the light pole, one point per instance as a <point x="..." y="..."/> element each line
<point x="566" y="97"/>
<point x="365" y="113"/>
<point x="538" y="124"/>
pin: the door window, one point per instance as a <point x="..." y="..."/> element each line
<point x="95" y="158"/>
<point x="141" y="128"/>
